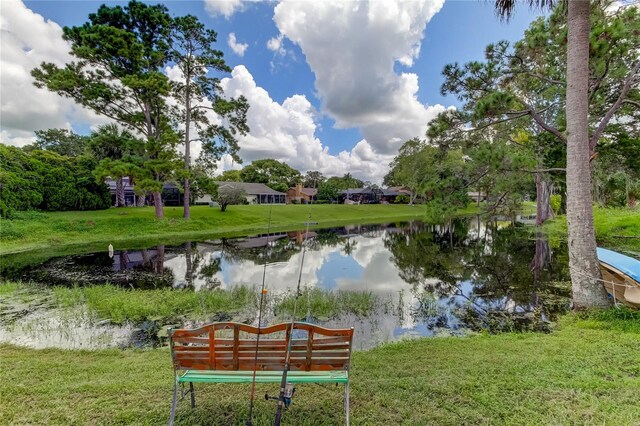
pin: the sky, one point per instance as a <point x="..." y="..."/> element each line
<point x="333" y="86"/>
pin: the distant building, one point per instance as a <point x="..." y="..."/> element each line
<point x="359" y="196"/>
<point x="256" y="193"/>
<point x="299" y="194"/>
<point x="390" y="194"/>
<point x="477" y="196"/>
<point x="130" y="197"/>
<point x="171" y="193"/>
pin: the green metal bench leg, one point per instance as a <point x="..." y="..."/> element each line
<point x="346" y="401"/>
<point x="174" y="403"/>
<point x="193" y="395"/>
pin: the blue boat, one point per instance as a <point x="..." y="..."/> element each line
<point x="621" y="275"/>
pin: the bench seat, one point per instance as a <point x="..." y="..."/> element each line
<point x="213" y="376"/>
<point x="229" y="352"/>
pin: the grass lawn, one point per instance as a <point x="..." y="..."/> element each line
<point x="587" y="372"/>
<point x="616" y="228"/>
<point x="138" y="226"/>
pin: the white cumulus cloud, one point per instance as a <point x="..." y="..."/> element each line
<point x="238" y="48"/>
<point x="28" y="40"/>
<point x="286" y="131"/>
<point x="274" y="44"/>
<point x="225" y="8"/>
<point x="352" y="48"/>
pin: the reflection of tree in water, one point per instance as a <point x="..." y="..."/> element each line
<point x="277" y="250"/>
<point x="128" y="268"/>
<point x="430" y="256"/>
<point x="439" y="260"/>
<point x="152" y="273"/>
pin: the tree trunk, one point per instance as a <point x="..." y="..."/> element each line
<point x="187" y="148"/>
<point x="120" y="202"/>
<point x="159" y="260"/>
<point x="157" y="202"/>
<point x="188" y="276"/>
<point x="588" y="292"/>
<point x="544" y="211"/>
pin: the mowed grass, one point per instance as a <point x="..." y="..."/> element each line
<point x="580" y="374"/>
<point x="616" y="228"/>
<point x="131" y="225"/>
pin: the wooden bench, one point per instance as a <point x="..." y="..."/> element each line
<point x="225" y="352"/>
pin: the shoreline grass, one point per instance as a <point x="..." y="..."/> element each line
<point x="120" y="305"/>
<point x="579" y="374"/>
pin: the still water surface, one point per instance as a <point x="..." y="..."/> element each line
<point x="465" y="275"/>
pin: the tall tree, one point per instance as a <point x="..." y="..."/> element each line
<point x="115" y="150"/>
<point x="200" y="98"/>
<point x="583" y="261"/>
<point x="587" y="290"/>
<point x="61" y="141"/>
<point x="345" y="182"/>
<point x="313" y="179"/>
<point x="121" y="53"/>
<point x="406" y="169"/>
<point x="230" y="176"/>
<point x="273" y="173"/>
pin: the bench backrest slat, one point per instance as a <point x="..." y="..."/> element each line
<point x="232" y="346"/>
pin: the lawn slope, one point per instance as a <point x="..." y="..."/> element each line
<point x="585" y="373"/>
<point x="127" y="226"/>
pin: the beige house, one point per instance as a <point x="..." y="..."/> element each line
<point x="256" y="193"/>
<point x="299" y="194"/>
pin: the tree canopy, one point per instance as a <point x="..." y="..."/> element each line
<point x="275" y="174"/>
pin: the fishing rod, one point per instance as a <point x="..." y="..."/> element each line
<point x="263" y="291"/>
<point x="286" y="391"/>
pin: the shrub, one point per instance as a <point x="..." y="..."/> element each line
<point x="402" y="199"/>
<point x="556" y="203"/>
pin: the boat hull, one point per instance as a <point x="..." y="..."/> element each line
<point x="620" y="285"/>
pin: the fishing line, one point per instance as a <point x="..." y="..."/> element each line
<point x="263" y="291"/>
<point x="287" y="358"/>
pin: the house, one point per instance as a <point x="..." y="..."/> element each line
<point x="130" y="197"/>
<point x="299" y="194"/>
<point x="256" y="193"/>
<point x="477" y="196"/>
<point x="359" y="196"/>
<point x="390" y="194"/>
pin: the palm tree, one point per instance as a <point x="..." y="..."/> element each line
<point x="110" y="146"/>
<point x="583" y="262"/>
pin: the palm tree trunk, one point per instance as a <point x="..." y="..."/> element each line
<point x="120" y="202"/>
<point x="583" y="263"/>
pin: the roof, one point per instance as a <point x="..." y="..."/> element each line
<point x="357" y="191"/>
<point x="251" y="188"/>
<point x="311" y="192"/>
<point x="400" y="189"/>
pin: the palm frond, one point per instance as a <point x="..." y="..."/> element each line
<point x="505" y="8"/>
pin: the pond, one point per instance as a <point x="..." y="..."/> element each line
<point x="390" y="282"/>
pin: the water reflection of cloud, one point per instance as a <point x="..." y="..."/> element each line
<point x="280" y="276"/>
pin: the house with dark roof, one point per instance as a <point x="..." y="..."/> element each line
<point x="359" y="196"/>
<point x="301" y="195"/>
<point x="256" y="193"/>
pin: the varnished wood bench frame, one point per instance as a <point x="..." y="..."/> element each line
<point x="199" y="356"/>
